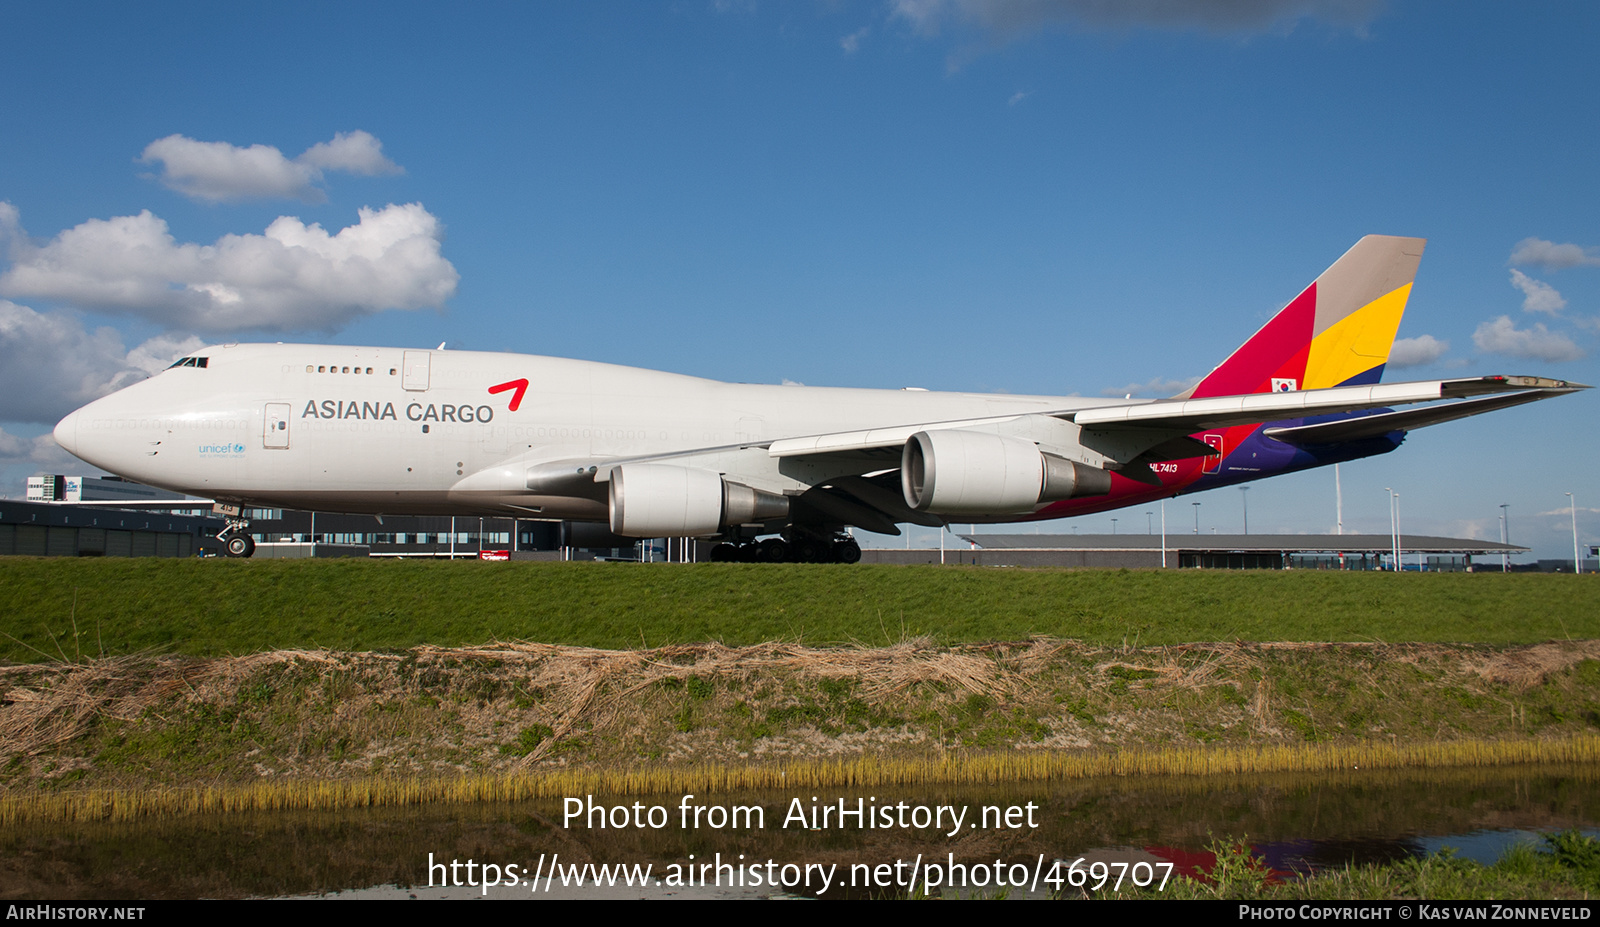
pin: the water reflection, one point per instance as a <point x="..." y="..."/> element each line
<point x="1297" y="823"/>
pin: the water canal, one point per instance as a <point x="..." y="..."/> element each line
<point x="1296" y="822"/>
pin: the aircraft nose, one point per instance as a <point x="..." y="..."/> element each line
<point x="67" y="433"/>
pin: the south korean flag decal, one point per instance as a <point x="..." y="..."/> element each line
<point x="1285" y="384"/>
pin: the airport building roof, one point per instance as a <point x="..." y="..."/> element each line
<point x="1243" y="543"/>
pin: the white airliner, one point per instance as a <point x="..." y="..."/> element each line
<point x="395" y="431"/>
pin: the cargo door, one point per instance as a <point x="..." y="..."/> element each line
<point x="414" y="370"/>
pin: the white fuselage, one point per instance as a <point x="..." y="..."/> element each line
<point x="387" y="430"/>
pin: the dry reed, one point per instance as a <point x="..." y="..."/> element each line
<point x="858" y="772"/>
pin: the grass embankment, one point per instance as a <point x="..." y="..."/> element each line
<point x="61" y="609"/>
<point x="323" y="729"/>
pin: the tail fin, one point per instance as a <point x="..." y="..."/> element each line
<point x="1338" y="331"/>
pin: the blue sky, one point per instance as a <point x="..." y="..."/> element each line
<point x="995" y="195"/>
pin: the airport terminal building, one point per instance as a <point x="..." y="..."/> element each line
<point x="106" y="516"/>
<point x="1214" y="552"/>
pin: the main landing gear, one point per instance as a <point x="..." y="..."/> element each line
<point x="235" y="542"/>
<point x="801" y="548"/>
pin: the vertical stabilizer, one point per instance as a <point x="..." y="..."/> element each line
<point x="1338" y="331"/>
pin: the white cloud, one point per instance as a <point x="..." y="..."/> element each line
<point x="294" y="276"/>
<point x="11" y="234"/>
<point x="1013" y="17"/>
<point x="357" y="152"/>
<point x="1159" y="386"/>
<point x="1501" y="336"/>
<point x="219" y="172"/>
<point x="40" y="449"/>
<point x="1538" y="296"/>
<point x="1551" y="256"/>
<point x="50" y="364"/>
<point x="1017" y="97"/>
<point x="1416" y="352"/>
<point x="852" y="42"/>
<point x="1566" y="512"/>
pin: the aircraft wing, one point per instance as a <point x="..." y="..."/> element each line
<point x="852" y="477"/>
<point x="1154" y="423"/>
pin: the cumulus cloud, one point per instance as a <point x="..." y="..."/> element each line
<point x="355" y="152"/>
<point x="41" y="449"/>
<point x="11" y="234"/>
<point x="1538" y="296"/>
<point x="1536" y="252"/>
<point x="852" y="42"/>
<point x="1501" y="336"/>
<point x="219" y="172"/>
<point x="1014" y="17"/>
<point x="292" y="277"/>
<point x="1416" y="352"/>
<point x="1159" y="386"/>
<point x="50" y="364"/>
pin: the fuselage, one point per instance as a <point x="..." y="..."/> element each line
<point x="388" y="430"/>
<point x="396" y="431"/>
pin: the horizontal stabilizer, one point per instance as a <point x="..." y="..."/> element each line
<point x="1186" y="416"/>
<point x="1370" y="426"/>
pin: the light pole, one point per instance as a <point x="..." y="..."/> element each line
<point x="1505" y="538"/>
<point x="1113" y="527"/>
<point x="1196" y="517"/>
<point x="1244" y="500"/>
<point x="1399" y="539"/>
<point x="1577" y="561"/>
<point x="1149" y="526"/>
<point x="1163" y="534"/>
<point x="1338" y="503"/>
<point x="1394" y="529"/>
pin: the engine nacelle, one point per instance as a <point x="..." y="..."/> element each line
<point x="660" y="500"/>
<point x="958" y="472"/>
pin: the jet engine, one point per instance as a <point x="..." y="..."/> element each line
<point x="659" y="500"/>
<point x="954" y="472"/>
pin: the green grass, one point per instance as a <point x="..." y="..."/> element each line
<point x="55" y="608"/>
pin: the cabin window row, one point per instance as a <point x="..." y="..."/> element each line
<point x="325" y="368"/>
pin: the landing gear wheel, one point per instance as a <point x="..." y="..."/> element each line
<point x="847" y="551"/>
<point x="724" y="553"/>
<point x="773" y="550"/>
<point x="807" y="550"/>
<point x="239" y="545"/>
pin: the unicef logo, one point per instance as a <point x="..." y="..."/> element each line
<point x="227" y="449"/>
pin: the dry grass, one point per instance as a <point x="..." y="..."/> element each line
<point x="863" y="772"/>
<point x="1525" y="667"/>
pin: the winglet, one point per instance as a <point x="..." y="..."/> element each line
<point x="1337" y="332"/>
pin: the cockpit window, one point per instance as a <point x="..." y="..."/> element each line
<point x="190" y="362"/>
